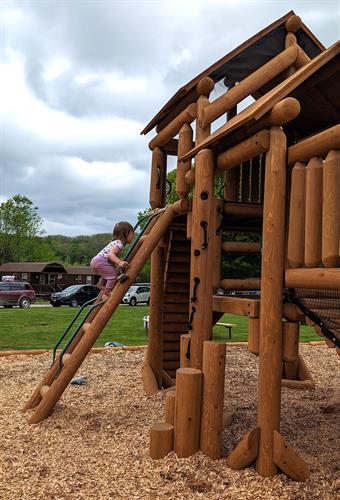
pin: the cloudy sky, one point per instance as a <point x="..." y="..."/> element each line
<point x="81" y="78"/>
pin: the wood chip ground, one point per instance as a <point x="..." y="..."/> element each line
<point x="95" y="444"/>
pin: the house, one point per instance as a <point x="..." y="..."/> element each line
<point x="48" y="277"/>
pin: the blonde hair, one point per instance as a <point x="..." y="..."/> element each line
<point x="121" y="231"/>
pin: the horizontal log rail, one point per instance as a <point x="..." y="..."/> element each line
<point x="243" y="210"/>
<point x="251" y="147"/>
<point x="249" y="85"/>
<point x="241" y="284"/>
<point x="241" y="247"/>
<point x="188" y="115"/>
<point x="316" y="145"/>
<point x="313" y="278"/>
<point x="237" y="305"/>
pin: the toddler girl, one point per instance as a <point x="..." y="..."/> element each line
<point x="103" y="264"/>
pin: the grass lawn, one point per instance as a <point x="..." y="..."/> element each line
<point x="40" y="327"/>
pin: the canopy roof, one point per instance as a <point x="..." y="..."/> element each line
<point x="239" y="63"/>
<point x="315" y="85"/>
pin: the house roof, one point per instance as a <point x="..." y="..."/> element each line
<point x="315" y="85"/>
<point x="239" y="63"/>
<point x="32" y="267"/>
<point x="80" y="270"/>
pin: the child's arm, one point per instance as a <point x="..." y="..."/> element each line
<point x="113" y="257"/>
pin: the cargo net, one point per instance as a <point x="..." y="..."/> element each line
<point x="322" y="307"/>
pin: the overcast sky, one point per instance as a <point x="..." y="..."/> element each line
<point x="80" y="79"/>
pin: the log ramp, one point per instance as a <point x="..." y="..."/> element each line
<point x="278" y="162"/>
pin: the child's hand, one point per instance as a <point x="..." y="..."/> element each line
<point x="123" y="264"/>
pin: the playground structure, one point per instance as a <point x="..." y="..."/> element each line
<point x="281" y="167"/>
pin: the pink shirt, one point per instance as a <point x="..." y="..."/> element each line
<point x="106" y="250"/>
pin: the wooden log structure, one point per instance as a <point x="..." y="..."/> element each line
<point x="170" y="402"/>
<point x="296" y="227"/>
<point x="313" y="278"/>
<point x="236" y="305"/>
<point x="290" y="349"/>
<point x="254" y="335"/>
<point x="161" y="440"/>
<point x="188" y="411"/>
<point x="241" y="247"/>
<point x="241" y="284"/>
<point x="212" y="398"/>
<point x="157" y="178"/>
<point x="313" y="219"/>
<point x="185" y="143"/>
<point x="243" y="210"/>
<point x="316" y="145"/>
<point x="331" y="210"/>
<point x="202" y="252"/>
<point x="188" y="115"/>
<point x="184" y="349"/>
<point x="246" y="451"/>
<point x="293" y="23"/>
<point x="270" y="358"/>
<point x="150" y="382"/>
<point x="253" y="146"/>
<point x="155" y="329"/>
<point x="249" y="85"/>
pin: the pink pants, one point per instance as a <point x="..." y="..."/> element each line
<point x="102" y="267"/>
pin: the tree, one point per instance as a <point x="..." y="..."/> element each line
<point x="20" y="223"/>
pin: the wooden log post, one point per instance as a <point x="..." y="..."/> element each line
<point x="217" y="233"/>
<point x="185" y="143"/>
<point x="202" y="131"/>
<point x="331" y="210"/>
<point x="254" y="335"/>
<point x="188" y="115"/>
<point x="270" y="359"/>
<point x="253" y="146"/>
<point x="188" y="411"/>
<point x="185" y="350"/>
<point x="212" y="398"/>
<point x="290" y="349"/>
<point x="289" y="41"/>
<point x="316" y="145"/>
<point x="249" y="85"/>
<point x="170" y="403"/>
<point x="296" y="229"/>
<point x="149" y="380"/>
<point x="231" y="176"/>
<point x="155" y="330"/>
<point x="313" y="221"/>
<point x="158" y="178"/>
<point x="202" y="254"/>
<point x="161" y="440"/>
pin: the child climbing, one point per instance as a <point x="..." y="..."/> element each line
<point x="105" y="261"/>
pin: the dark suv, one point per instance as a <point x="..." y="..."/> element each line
<point x="74" y="295"/>
<point x="16" y="293"/>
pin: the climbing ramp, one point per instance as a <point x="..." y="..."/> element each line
<point x="68" y="361"/>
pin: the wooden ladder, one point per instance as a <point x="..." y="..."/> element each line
<point x="176" y="296"/>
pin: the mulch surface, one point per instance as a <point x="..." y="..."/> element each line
<point x="95" y="444"/>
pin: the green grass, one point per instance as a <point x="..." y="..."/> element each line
<point x="40" y="328"/>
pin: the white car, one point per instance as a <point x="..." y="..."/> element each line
<point x="137" y="294"/>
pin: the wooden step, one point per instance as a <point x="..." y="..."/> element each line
<point x="171" y="373"/>
<point x="173" y="327"/>
<point x="179" y="268"/>
<point x="172" y="298"/>
<point x="181" y="247"/>
<point x="176" y="307"/>
<point x="176" y="278"/>
<point x="171" y="365"/>
<point x="176" y="317"/>
<point x="171" y="346"/>
<point x="172" y="336"/>
<point x="171" y="356"/>
<point x="180" y="257"/>
<point x="173" y="288"/>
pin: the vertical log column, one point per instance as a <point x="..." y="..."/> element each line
<point x="313" y="223"/>
<point x="155" y="343"/>
<point x="331" y="210"/>
<point x="270" y="362"/>
<point x="185" y="143"/>
<point x="231" y="175"/>
<point x="296" y="229"/>
<point x="158" y="178"/>
<point x="202" y="253"/>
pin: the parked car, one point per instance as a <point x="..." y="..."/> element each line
<point x="74" y="295"/>
<point x="137" y="294"/>
<point x="16" y="293"/>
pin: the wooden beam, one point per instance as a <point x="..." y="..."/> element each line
<point x="313" y="278"/>
<point x="188" y="115"/>
<point x="246" y="451"/>
<point x="316" y="145"/>
<point x="243" y="210"/>
<point x="241" y="284"/>
<point x="253" y="146"/>
<point x="288" y="460"/>
<point x="241" y="247"/>
<point x="249" y="85"/>
<point x="235" y="305"/>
